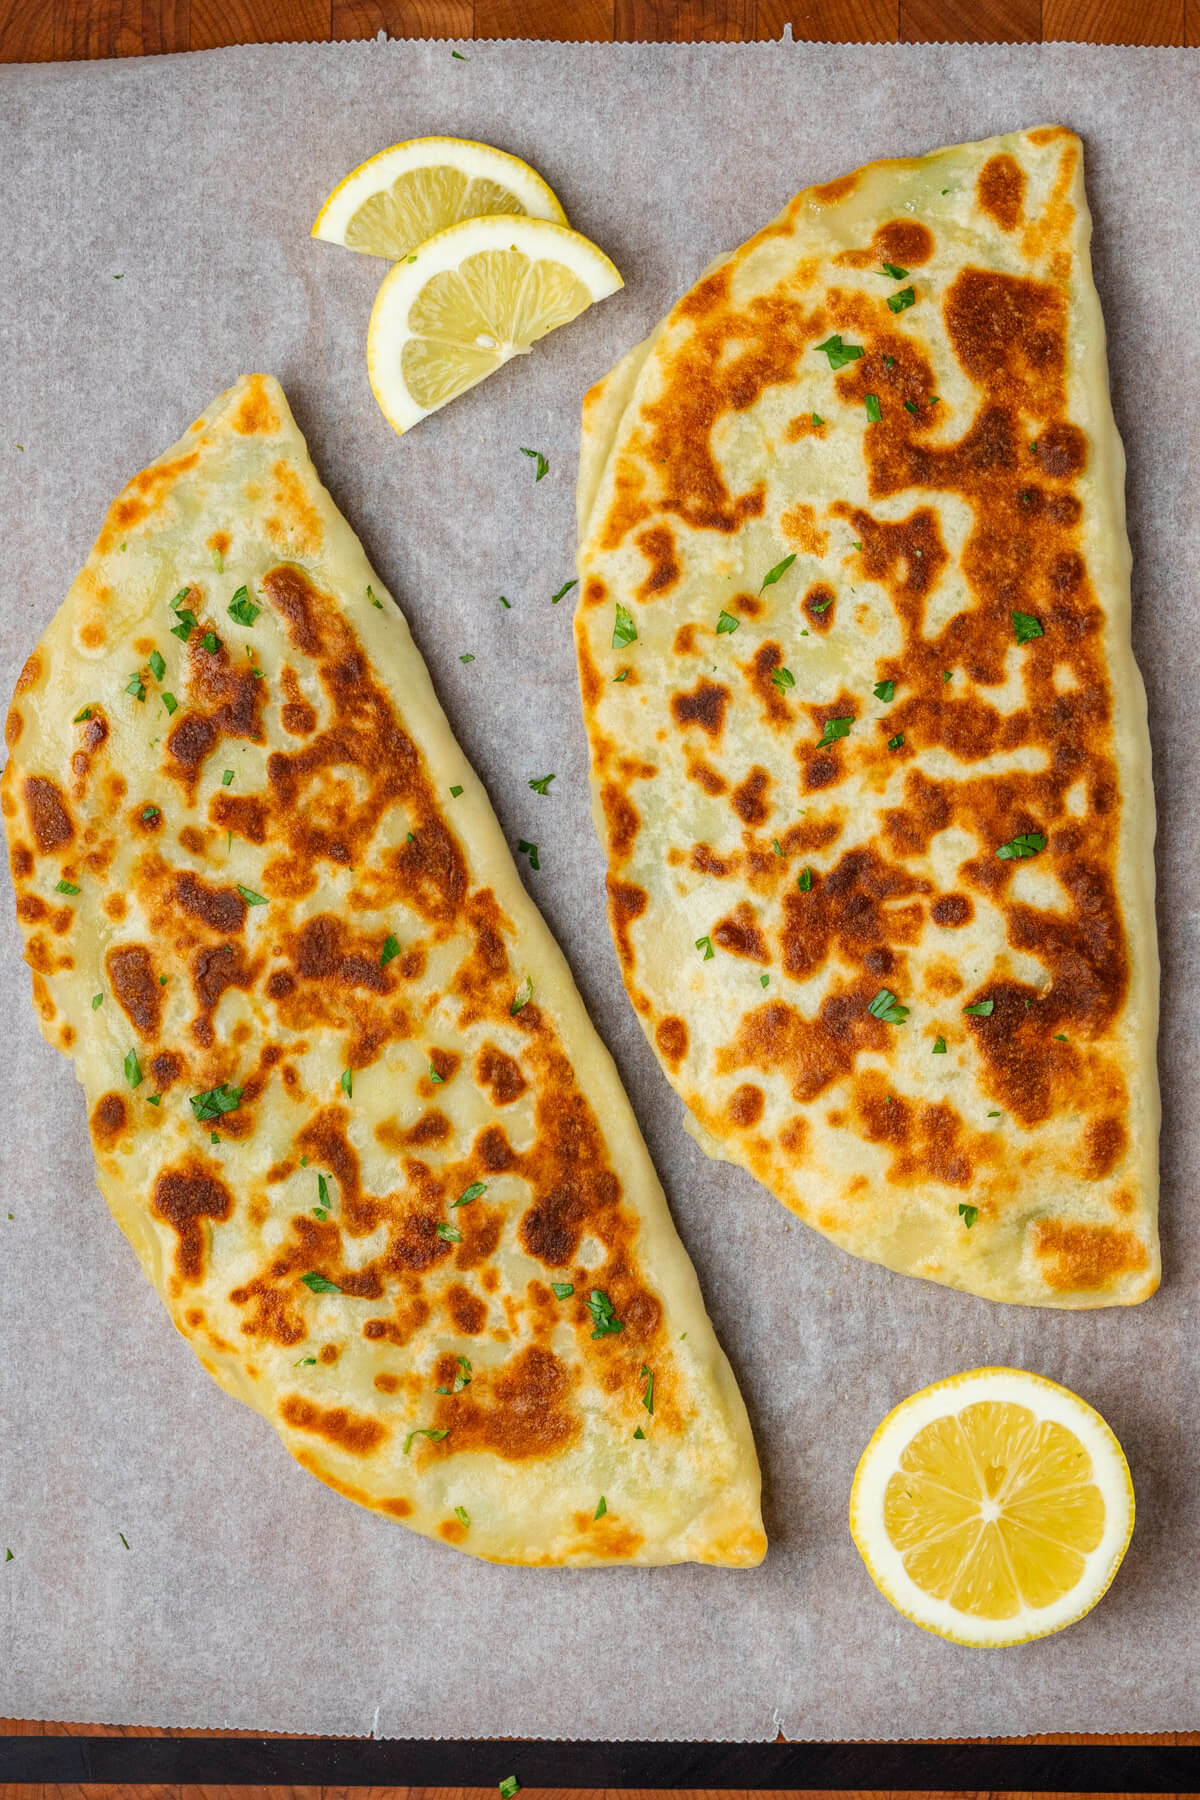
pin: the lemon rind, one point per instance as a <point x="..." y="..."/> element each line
<point x="1054" y="1403"/>
<point x="350" y="193"/>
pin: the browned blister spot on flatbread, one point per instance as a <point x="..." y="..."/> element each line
<point x="110" y="1117"/>
<point x="48" y="814"/>
<point x="135" y="986"/>
<point x="340" y="1426"/>
<point x="1001" y="190"/>
<point x="1086" y="1256"/>
<point x="187" y="1197"/>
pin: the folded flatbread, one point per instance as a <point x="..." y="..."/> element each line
<point x="345" y="1100"/>
<point x="868" y="742"/>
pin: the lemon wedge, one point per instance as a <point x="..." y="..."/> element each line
<point x="393" y="202"/>
<point x="470" y="299"/>
<point x="992" y="1508"/>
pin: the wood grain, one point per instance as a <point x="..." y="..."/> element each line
<point x="565" y="21"/>
<point x="975" y="21"/>
<point x="1116" y="21"/>
<point x="402" y="18"/>
<point x="218" y="22"/>
<point x="832" y="21"/>
<point x="684" y="21"/>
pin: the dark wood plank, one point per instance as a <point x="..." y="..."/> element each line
<point x="566" y="21"/>
<point x="684" y="21"/>
<point x="215" y="23"/>
<point x="119" y="28"/>
<point x="402" y="18"/>
<point x="26" y="32"/>
<point x="979" y="22"/>
<point x="1115" y="21"/>
<point x="831" y="21"/>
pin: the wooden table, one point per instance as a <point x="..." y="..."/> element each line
<point x="53" y="30"/>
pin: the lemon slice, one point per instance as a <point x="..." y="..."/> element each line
<point x="470" y="299"/>
<point x="389" y="205"/>
<point x="992" y="1508"/>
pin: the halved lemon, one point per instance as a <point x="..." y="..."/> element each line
<point x="992" y="1508"/>
<point x="393" y="202"/>
<point x="470" y="299"/>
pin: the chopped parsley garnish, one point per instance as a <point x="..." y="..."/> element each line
<point x="764" y="981"/>
<point x="211" y="642"/>
<point x="133" y="1069"/>
<point x="640" y="1435"/>
<point x="148" y="813"/>
<point x="321" y="1210"/>
<point x="1028" y="843"/>
<point x="251" y="898"/>
<point x="459" y="57"/>
<point x="466" y="657"/>
<point x="886" y="1007"/>
<point x="523" y="995"/>
<point x="541" y="784"/>
<point x="218" y="562"/>
<point x="227" y="778"/>
<point x="462" y="1379"/>
<point x="776" y="574"/>
<point x="510" y="1785"/>
<point x="85" y="712"/>
<point x="455" y="792"/>
<point x="840" y="354"/>
<point x="947" y="674"/>
<point x="782" y="679"/>
<point x="885" y="691"/>
<point x="434" y="1435"/>
<point x="67" y="887"/>
<point x="817" y="419"/>
<point x="158" y="667"/>
<point x="897" y="742"/>
<point x="242" y="608"/>
<point x="804" y="881"/>
<point x="705" y="944"/>
<point x="464" y="1519"/>
<point x="97" y="1002"/>
<point x="647" y="1375"/>
<point x="506" y="604"/>
<point x="1060" y="1037"/>
<point x="372" y="599"/>
<point x="995" y="1115"/>
<point x="562" y="1289"/>
<point x="622" y="676"/>
<point x="874" y="410"/>
<point x="1026" y="627"/>
<point x="303" y="1361"/>
<point x="624" y="629"/>
<point x="898" y="302"/>
<point x="136" y="686"/>
<point x="777" y="846"/>
<point x="121" y="1534"/>
<point x="893" y="272"/>
<point x="833" y="729"/>
<point x="601" y="1508"/>
<point x="910" y="406"/>
<point x="542" y="462"/>
<point x="603" y="1318"/>
<point x="187" y="624"/>
<point x="433" y="1074"/>
<point x="564" y="589"/>
<point x="982" y="1009"/>
<point x="968" y="1214"/>
<point x="450" y="1233"/>
<point x="820" y="606"/>
<point x="346" y="1083"/>
<point x="317" y="1284"/>
<point x="939" y="1047"/>
<point x="169" y="701"/>
<point x="216" y="1101"/>
<point x="525" y="848"/>
<point x="727" y="622"/>
<point x="476" y="1189"/>
<point x="391" y="948"/>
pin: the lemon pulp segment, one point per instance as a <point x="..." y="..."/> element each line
<point x="465" y="322"/>
<point x="991" y="1508"/>
<point x="421" y="202"/>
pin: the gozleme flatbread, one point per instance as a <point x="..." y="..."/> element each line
<point x="345" y="1100"/>
<point x="873" y="774"/>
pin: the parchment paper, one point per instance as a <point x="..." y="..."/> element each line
<point x="250" y="1595"/>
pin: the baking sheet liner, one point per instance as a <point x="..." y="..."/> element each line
<point x="157" y="217"/>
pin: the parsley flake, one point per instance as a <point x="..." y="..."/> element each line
<point x="378" y="604"/>
<point x="302" y="1361"/>
<point x="839" y="354"/>
<point x="158" y="667"/>
<point x="982" y="1009"/>
<point x="782" y="679"/>
<point x="506" y="604"/>
<point x="817" y="419"/>
<point x="640" y="1435"/>
<point x="462" y="1379"/>
<point x="211" y="642"/>
<point x="136" y="686"/>
<point x="67" y="887"/>
<point x="897" y="742"/>
<point x="187" y="624"/>
<point x="523" y="995"/>
<point x="727" y="622"/>
<point x="1026" y="627"/>
<point x="148" y="813"/>
<point x="85" y="712"/>
<point x="1060" y="1037"/>
<point x="455" y="792"/>
<point x="476" y="1189"/>
<point x="564" y="589"/>
<point x="562" y="1289"/>
<point x="541" y="784"/>
<point x="318" y="1284"/>
<point x="833" y="729"/>
<point x="133" y="1069"/>
<point x="543" y="464"/>
<point x="897" y="302"/>
<point x="624" y="629"/>
<point x="968" y="1214"/>
<point x="242" y="608"/>
<point x="820" y="606"/>
<point x="885" y="691"/>
<point x="887" y="1008"/>
<point x="218" y="562"/>
<point x="463" y="1517"/>
<point x="169" y="701"/>
<point x="776" y="574"/>
<point x="764" y="981"/>
<point x="251" y="898"/>
<point x="647" y="1375"/>
<point x="466" y="657"/>
<point x="893" y="272"/>
<point x="97" y="1002"/>
<point x="622" y="676"/>
<point x="910" y="406"/>
<point x="433" y="1074"/>
<point x="450" y="1233"/>
<point x="391" y="948"/>
<point x="777" y="846"/>
<point x="346" y="1083"/>
<point x="525" y="848"/>
<point x="804" y="881"/>
<point x="939" y="1047"/>
<point x="215" y="1101"/>
<point x="603" y="1318"/>
<point x="601" y="1509"/>
<point x="434" y="1435"/>
<point x="705" y="944"/>
<point x="1027" y="843"/>
<point x="510" y="1785"/>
